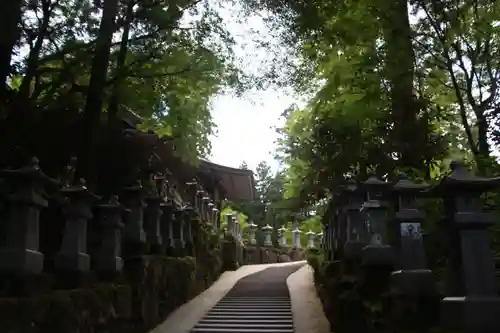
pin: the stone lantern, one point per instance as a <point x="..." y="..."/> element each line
<point x="204" y="202"/>
<point x="310" y="239"/>
<point x="252" y="227"/>
<point x="215" y="214"/>
<point x="282" y="234"/>
<point x="229" y="224"/>
<point x="375" y="209"/>
<point x="478" y="307"/>
<point x="296" y="237"/>
<point x="319" y="235"/>
<point x="20" y="253"/>
<point x="267" y="229"/>
<point x="354" y="226"/>
<point x="237" y="226"/>
<point x="210" y="213"/>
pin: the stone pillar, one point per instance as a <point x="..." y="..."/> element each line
<point x="134" y="237"/>
<point x="319" y="236"/>
<point x="204" y="202"/>
<point x="378" y="258"/>
<point x="252" y="227"/>
<point x="282" y="237"/>
<point x="355" y="224"/>
<point x="310" y="240"/>
<point x="178" y="231"/>
<point x="267" y="229"/>
<point x="478" y="310"/>
<point x="237" y="226"/>
<point x="166" y="227"/>
<point x="296" y="238"/>
<point x="199" y="202"/>
<point x="413" y="287"/>
<point x="229" y="224"/>
<point x="210" y="213"/>
<point x="189" y="219"/>
<point x="20" y="253"/>
<point x="152" y="221"/>
<point x="78" y="211"/>
<point x="215" y="218"/>
<point x="110" y="220"/>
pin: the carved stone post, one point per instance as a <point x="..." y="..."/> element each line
<point x="73" y="253"/>
<point x="152" y="220"/>
<point x="134" y="237"/>
<point x="178" y="231"/>
<point x="110" y="219"/>
<point x="205" y="200"/>
<point x="199" y="202"/>
<point x="296" y="238"/>
<point x="355" y="226"/>
<point x="216" y="224"/>
<point x="310" y="240"/>
<point x="267" y="229"/>
<point x="210" y="213"/>
<point x="377" y="252"/>
<point x="320" y="238"/>
<point x="167" y="228"/>
<point x="237" y="227"/>
<point x="478" y="310"/>
<point x="20" y="253"/>
<point x="189" y="218"/>
<point x="413" y="287"/>
<point x="378" y="258"/>
<point x="252" y="227"/>
<point x="282" y="236"/>
<point x="230" y="224"/>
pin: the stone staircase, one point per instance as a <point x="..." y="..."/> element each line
<point x="258" y="303"/>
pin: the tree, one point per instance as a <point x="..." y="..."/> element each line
<point x="164" y="70"/>
<point x="243" y="165"/>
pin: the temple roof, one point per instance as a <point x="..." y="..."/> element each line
<point x="239" y="184"/>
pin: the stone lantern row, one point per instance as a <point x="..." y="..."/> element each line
<point x="137" y="222"/>
<point x="235" y="229"/>
<point x="357" y="229"/>
<point x="204" y="205"/>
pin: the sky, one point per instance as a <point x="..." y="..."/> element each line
<point x="246" y="125"/>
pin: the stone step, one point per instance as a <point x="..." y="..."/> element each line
<point x="245" y="325"/>
<point x="252" y="309"/>
<point x="241" y="330"/>
<point x="232" y="320"/>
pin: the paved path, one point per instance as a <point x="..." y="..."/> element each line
<point x="262" y="300"/>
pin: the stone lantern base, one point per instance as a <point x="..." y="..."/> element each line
<point x="478" y="314"/>
<point x="21" y="260"/>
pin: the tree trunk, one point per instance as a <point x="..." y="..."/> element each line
<point x="9" y="25"/>
<point x="88" y="149"/>
<point x="400" y="61"/>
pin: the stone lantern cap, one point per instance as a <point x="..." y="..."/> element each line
<point x="31" y="172"/>
<point x="319" y="234"/>
<point x="215" y="209"/>
<point x="252" y="225"/>
<point x="282" y="229"/>
<point x="404" y="185"/>
<point x="297" y="230"/>
<point x="267" y="227"/>
<point x="310" y="233"/>
<point x="462" y="180"/>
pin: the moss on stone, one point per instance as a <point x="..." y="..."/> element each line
<point x="104" y="307"/>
